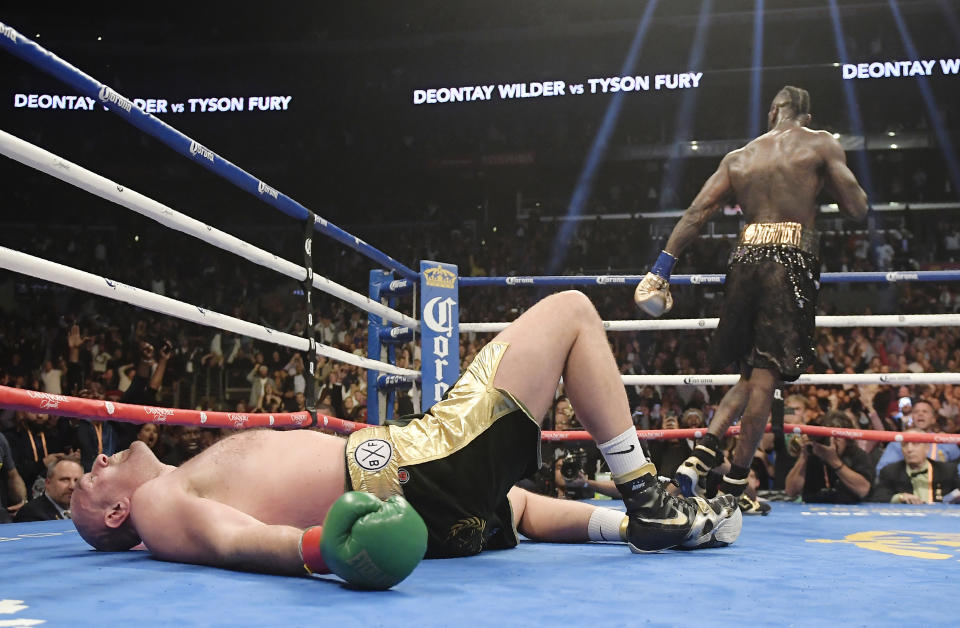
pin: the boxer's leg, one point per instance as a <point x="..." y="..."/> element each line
<point x="763" y="382"/>
<point x="564" y="335"/>
<point x="543" y="518"/>
<point x="707" y="455"/>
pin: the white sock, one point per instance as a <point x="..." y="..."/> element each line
<point x="605" y="524"/>
<point x="623" y="453"/>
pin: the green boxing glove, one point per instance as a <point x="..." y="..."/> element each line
<point x="370" y="543"/>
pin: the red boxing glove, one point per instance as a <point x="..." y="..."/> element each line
<point x="310" y="551"/>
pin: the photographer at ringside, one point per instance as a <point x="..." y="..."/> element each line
<point x="577" y="463"/>
<point x="830" y="470"/>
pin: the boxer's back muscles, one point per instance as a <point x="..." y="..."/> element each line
<point x="776" y="177"/>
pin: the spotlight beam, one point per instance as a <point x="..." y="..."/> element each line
<point x="598" y="150"/>
<point x="936" y="122"/>
<point x="688" y="102"/>
<point x="756" y="70"/>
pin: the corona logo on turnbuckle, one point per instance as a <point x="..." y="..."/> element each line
<point x="440" y="329"/>
<point x="603" y="281"/>
<point x="438" y="277"/>
<point x="928" y="545"/>
<point x="517" y="281"/>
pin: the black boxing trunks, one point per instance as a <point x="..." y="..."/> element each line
<point x="769" y="308"/>
<point x="456" y="463"/>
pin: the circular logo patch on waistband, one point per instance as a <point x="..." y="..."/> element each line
<point x="373" y="454"/>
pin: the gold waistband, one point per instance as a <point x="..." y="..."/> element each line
<point x="788" y="233"/>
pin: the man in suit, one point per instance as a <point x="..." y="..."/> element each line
<point x="916" y="479"/>
<point x="54" y="503"/>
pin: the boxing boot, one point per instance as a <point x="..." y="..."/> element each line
<point x="690" y="476"/>
<point x="750" y="506"/>
<point x="658" y="520"/>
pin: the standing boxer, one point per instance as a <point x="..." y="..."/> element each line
<point x="768" y="315"/>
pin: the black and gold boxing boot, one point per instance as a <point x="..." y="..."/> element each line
<point x="690" y="476"/>
<point x="657" y="520"/>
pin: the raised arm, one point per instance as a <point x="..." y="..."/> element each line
<point x="840" y="182"/>
<point x="707" y="203"/>
<point x="186" y="528"/>
<point x="652" y="294"/>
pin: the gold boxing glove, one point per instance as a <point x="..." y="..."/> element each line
<point x="653" y="295"/>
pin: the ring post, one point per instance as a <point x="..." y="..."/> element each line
<point x="310" y="390"/>
<point x="439" y="330"/>
<point x="377" y="409"/>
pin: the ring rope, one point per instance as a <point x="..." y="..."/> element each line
<point x="673" y="324"/>
<point x="98" y="409"/>
<point x="88" y="282"/>
<point x="69" y="172"/>
<point x="898" y="379"/>
<point x="39" y="57"/>
<point x="811" y="430"/>
<point x="703" y="279"/>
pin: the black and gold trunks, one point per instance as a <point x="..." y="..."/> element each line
<point x="769" y="307"/>
<point x="456" y="463"/>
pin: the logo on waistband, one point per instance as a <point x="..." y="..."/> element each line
<point x="440" y="278"/>
<point x="403" y="475"/>
<point x="373" y="454"/>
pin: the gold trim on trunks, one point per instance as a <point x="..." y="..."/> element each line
<point x="788" y="233"/>
<point x="471" y="406"/>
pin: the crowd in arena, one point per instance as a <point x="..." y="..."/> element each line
<point x="61" y="341"/>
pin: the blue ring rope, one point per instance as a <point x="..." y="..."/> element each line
<point x="32" y="53"/>
<point x="686" y="280"/>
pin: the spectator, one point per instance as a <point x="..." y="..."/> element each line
<point x="258" y="377"/>
<point x="924" y="419"/>
<point x="13" y="492"/>
<point x="37" y="442"/>
<point x="188" y="443"/>
<point x="669" y="454"/>
<point x="916" y="479"/>
<point x="829" y="469"/>
<point x="54" y="503"/>
<point x="50" y="378"/>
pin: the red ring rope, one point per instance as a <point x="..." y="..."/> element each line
<point x="76" y="407"/>
<point x="61" y="405"/>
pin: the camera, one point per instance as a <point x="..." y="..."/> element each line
<point x="573" y="463"/>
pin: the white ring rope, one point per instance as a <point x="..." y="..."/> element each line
<point x="854" y="320"/>
<point x="897" y="379"/>
<point x="45" y="161"/>
<point x="82" y="280"/>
